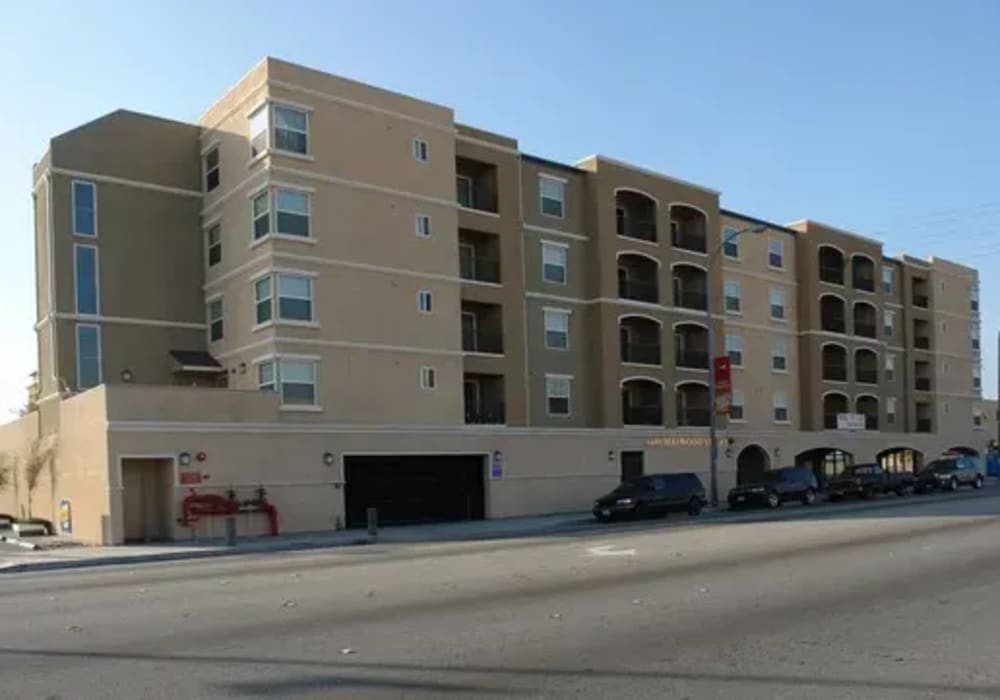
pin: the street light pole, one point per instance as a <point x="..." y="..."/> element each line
<point x="713" y="447"/>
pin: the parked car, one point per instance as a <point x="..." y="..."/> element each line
<point x="867" y="480"/>
<point x="948" y="473"/>
<point x="652" y="495"/>
<point x="775" y="487"/>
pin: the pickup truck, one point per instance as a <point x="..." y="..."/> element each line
<point x="867" y="480"/>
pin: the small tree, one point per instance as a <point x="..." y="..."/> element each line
<point x="8" y="469"/>
<point x="41" y="455"/>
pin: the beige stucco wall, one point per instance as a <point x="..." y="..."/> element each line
<point x="15" y="438"/>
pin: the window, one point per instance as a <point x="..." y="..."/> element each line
<point x="887" y="279"/>
<point x="84" y="208"/>
<point x="977" y="381"/>
<point x="974" y="299"/>
<point x="977" y="416"/>
<point x="734" y="349"/>
<point x="261" y="215"/>
<point x="736" y="406"/>
<point x="266" y="380"/>
<point x="88" y="356"/>
<point x="778" y="304"/>
<point x="780" y="405"/>
<point x="731" y="243"/>
<point x="294" y="298"/>
<point x="463" y="190"/>
<point x="775" y="253"/>
<point x="890" y="368"/>
<point x="298" y="382"/>
<point x="890" y="410"/>
<point x="423" y="226"/>
<point x="889" y="322"/>
<point x="425" y="301"/>
<point x="215" y="330"/>
<point x="556" y="329"/>
<point x="291" y="130"/>
<point x="262" y="299"/>
<point x="779" y="356"/>
<point x="553" y="193"/>
<point x="557" y="394"/>
<point x="428" y="378"/>
<point x="420" y="151"/>
<point x="291" y="213"/>
<point x="210" y="166"/>
<point x="214" y="242"/>
<point x="554" y="262"/>
<point x="259" y="121"/>
<point x="732" y="294"/>
<point x="85" y="271"/>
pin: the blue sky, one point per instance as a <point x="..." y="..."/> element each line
<point x="876" y="117"/>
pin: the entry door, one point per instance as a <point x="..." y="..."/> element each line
<point x="631" y="464"/>
<point x="146" y="491"/>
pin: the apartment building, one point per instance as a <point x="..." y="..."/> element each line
<point x="342" y="297"/>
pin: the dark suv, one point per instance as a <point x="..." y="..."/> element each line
<point x="773" y="488"/>
<point x="948" y="473"/>
<point x="652" y="495"/>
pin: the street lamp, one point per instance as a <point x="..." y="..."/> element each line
<point x="713" y="448"/>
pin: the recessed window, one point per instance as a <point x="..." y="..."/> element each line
<point x="780" y="404"/>
<point x="890" y="410"/>
<point x="554" y="262"/>
<point x="557" y="394"/>
<point x="890" y="368"/>
<point x="262" y="299"/>
<point x="428" y="378"/>
<point x="421" y="151"/>
<point x="779" y="356"/>
<point x="423" y="226"/>
<point x="552" y="191"/>
<point x="85" y="272"/>
<point x="425" y="301"/>
<point x="294" y="297"/>
<point x="291" y="130"/>
<point x="888" y="322"/>
<point x="210" y="166"/>
<point x="215" y="329"/>
<point x="775" y="253"/>
<point x="556" y="329"/>
<point x="734" y="349"/>
<point x="731" y="245"/>
<point x="736" y="406"/>
<point x="732" y="295"/>
<point x="888" y="279"/>
<point x="295" y="380"/>
<point x="778" y="304"/>
<point x="84" y="208"/>
<point x="88" y="356"/>
<point x="213" y="240"/>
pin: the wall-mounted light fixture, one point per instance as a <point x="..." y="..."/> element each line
<point x="329" y="459"/>
<point x="127" y="376"/>
<point x="184" y="459"/>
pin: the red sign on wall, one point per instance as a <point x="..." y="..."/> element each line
<point x="189" y="477"/>
<point x="723" y="385"/>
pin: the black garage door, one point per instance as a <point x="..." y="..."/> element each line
<point x="414" y="489"/>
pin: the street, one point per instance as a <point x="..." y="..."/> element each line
<point x="895" y="602"/>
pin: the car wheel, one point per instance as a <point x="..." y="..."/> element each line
<point x="809" y="497"/>
<point x="773" y="500"/>
<point x="978" y="483"/>
<point x="694" y="507"/>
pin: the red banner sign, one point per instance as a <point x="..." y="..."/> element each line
<point x="723" y="385"/>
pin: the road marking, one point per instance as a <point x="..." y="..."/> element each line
<point x="609" y="550"/>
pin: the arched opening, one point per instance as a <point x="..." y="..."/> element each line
<point x="639" y="338"/>
<point x="900" y="460"/>
<point x="751" y="464"/>
<point x="638" y="278"/>
<point x="642" y="402"/>
<point x="834" y="362"/>
<point x="693" y="405"/>
<point x="688" y="228"/>
<point x="863" y="272"/>
<point x="825" y="462"/>
<point x="635" y="215"/>
<point x="867" y="406"/>
<point x="831" y="265"/>
<point x="691" y="346"/>
<point x="865" y="319"/>
<point x="690" y="287"/>
<point x="834" y="403"/>
<point x="865" y="366"/>
<point x="832" y="314"/>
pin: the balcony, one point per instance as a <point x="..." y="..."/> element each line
<point x="923" y="425"/>
<point x="483" y="397"/>
<point x="865" y="366"/>
<point x="693" y="405"/>
<point x="868" y="407"/>
<point x="830" y="421"/>
<point x="834" y="372"/>
<point x="687" y="228"/>
<point x="476" y="268"/>
<point x="866" y="376"/>
<point x="920" y="300"/>
<point x="690" y="287"/>
<point x="638" y="278"/>
<point x="922" y="343"/>
<point x="833" y="405"/>
<point x="690" y="346"/>
<point x="832" y="314"/>
<point x="641" y="353"/>
<point x="635" y="215"/>
<point x="642" y="415"/>
<point x="482" y="328"/>
<point x="639" y="340"/>
<point x="863" y="273"/>
<point x="478" y="256"/>
<point x="831" y="265"/>
<point x="476" y="185"/>
<point x="922" y="383"/>
<point x="920" y="293"/>
<point x="642" y="402"/>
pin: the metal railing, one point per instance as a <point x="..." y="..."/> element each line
<point x="864" y="283"/>
<point x="643" y="229"/>
<point x="486" y="413"/>
<point x="696" y="359"/>
<point x="830" y="421"/>
<point x="482" y="341"/>
<point x="871" y="422"/>
<point x="641" y="353"/>
<point x="923" y="425"/>
<point x="922" y="383"/>
<point x="922" y="342"/>
<point x="833" y="274"/>
<point x="479" y="269"/>
<point x="834" y="324"/>
<point x="866" y="330"/>
<point x="834" y="373"/>
<point x="642" y="415"/>
<point x="639" y="290"/>
<point x="688" y="299"/>
<point x="690" y="241"/>
<point x="920" y="300"/>
<point x="866" y="376"/>
<point x="693" y="416"/>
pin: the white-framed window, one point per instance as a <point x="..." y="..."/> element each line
<point x="554" y="262"/>
<point x="214" y="313"/>
<point x="888" y="280"/>
<point x="977" y="379"/>
<point x="731" y="244"/>
<point x="734" y="349"/>
<point x="281" y="211"/>
<point x="552" y="195"/>
<point x="736" y="406"/>
<point x="425" y="301"/>
<point x="86" y="279"/>
<point x="775" y="253"/>
<point x="210" y="168"/>
<point x="974" y="298"/>
<point x="890" y="368"/>
<point x="213" y="244"/>
<point x="732" y="297"/>
<point x="889" y="322"/>
<point x="259" y="125"/>
<point x="289" y="135"/>
<point x="428" y="378"/>
<point x="779" y="356"/>
<point x="421" y="151"/>
<point x="267" y="376"/>
<point x="778" y="304"/>
<point x="890" y="410"/>
<point x="423" y="226"/>
<point x="557" y="394"/>
<point x="977" y="416"/>
<point x="88" y="356"/>
<point x="780" y="405"/>
<point x="262" y="290"/>
<point x="293" y="379"/>
<point x="295" y="297"/>
<point x="84" y="208"/>
<point x="556" y="329"/>
<point x="261" y="214"/>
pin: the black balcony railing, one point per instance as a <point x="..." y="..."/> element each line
<point x="690" y="241"/>
<point x="923" y="425"/>
<point x="835" y="373"/>
<point x="693" y="416"/>
<point x="480" y="269"/>
<point x="871" y="422"/>
<point x="865" y="330"/>
<point x="641" y="353"/>
<point x="834" y="324"/>
<point x="691" y="299"/>
<point x="866" y="376"/>
<point x="642" y="415"/>
<point x="482" y="341"/>
<point x="834" y="274"/>
<point x="643" y="229"/>
<point x="922" y="383"/>
<point x="922" y="342"/>
<point x="920" y="300"/>
<point x="864" y="283"/>
<point x="486" y="413"/>
<point x="696" y="359"/>
<point x="640" y="290"/>
<point x="830" y="421"/>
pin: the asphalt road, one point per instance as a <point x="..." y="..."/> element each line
<point x="900" y="602"/>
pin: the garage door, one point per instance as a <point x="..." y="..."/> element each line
<point x="414" y="489"/>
